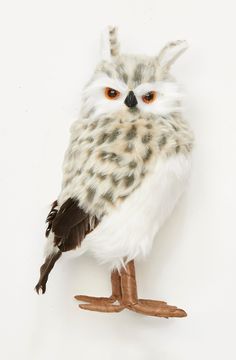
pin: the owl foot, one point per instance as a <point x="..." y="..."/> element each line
<point x="156" y="308"/>
<point x="104" y="304"/>
<point x="142" y="306"/>
<point x="125" y="296"/>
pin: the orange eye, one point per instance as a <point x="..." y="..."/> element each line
<point x="111" y="94"/>
<point x="149" y="97"/>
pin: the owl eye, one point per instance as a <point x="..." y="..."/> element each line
<point x="149" y="97"/>
<point x="111" y="94"/>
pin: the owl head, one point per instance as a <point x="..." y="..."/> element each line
<point x="132" y="83"/>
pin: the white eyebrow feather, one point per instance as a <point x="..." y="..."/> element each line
<point x="162" y="87"/>
<point x="106" y="81"/>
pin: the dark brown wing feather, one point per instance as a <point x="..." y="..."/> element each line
<point x="70" y="224"/>
<point x="51" y="217"/>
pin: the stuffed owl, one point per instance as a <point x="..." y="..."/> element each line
<point x="125" y="168"/>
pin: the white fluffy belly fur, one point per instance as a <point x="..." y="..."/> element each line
<point x="128" y="232"/>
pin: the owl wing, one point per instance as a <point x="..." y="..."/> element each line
<point x="66" y="229"/>
<point x="67" y="222"/>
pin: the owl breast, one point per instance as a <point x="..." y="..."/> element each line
<point x="108" y="159"/>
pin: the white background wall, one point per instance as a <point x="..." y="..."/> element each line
<point x="48" y="50"/>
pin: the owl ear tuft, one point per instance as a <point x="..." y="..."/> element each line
<point x="110" y="44"/>
<point x="170" y="53"/>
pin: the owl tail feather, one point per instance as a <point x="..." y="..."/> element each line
<point x="45" y="270"/>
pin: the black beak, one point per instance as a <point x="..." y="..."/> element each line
<point x="131" y="100"/>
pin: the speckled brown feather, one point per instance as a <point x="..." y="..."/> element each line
<point x="109" y="158"/>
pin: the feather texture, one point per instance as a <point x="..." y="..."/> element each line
<point x="128" y="232"/>
<point x="70" y="225"/>
<point x="67" y="226"/>
<point x="51" y="217"/>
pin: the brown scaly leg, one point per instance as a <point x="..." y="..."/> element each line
<point x="144" y="306"/>
<point x="104" y="304"/>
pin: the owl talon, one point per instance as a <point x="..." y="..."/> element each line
<point x="95" y="299"/>
<point x="156" y="308"/>
<point x="152" y="302"/>
<point x="102" y="307"/>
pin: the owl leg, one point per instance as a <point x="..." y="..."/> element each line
<point x="144" y="306"/>
<point x="104" y="304"/>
